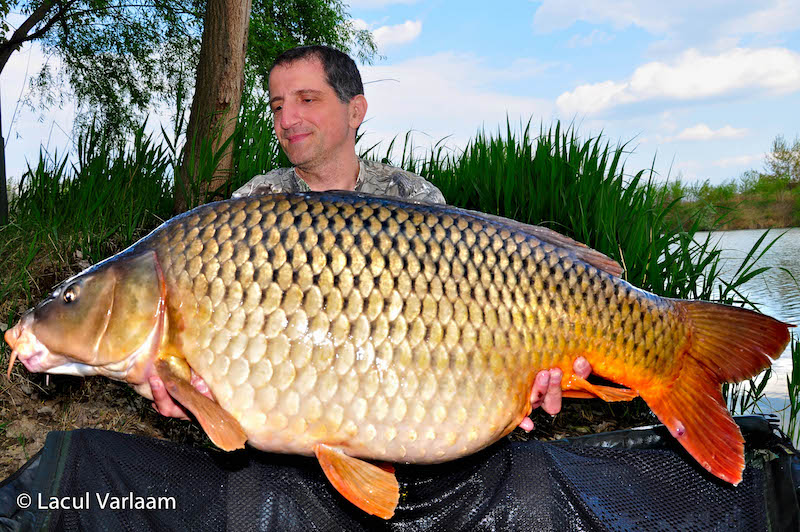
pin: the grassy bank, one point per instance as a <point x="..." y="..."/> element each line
<point x="69" y="212"/>
<point x="755" y="201"/>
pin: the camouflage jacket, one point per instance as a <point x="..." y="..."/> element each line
<point x="373" y="178"/>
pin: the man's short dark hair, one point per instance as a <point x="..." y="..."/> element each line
<point x="341" y="72"/>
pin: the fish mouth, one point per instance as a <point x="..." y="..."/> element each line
<point x="37" y="357"/>
<point x="26" y="348"/>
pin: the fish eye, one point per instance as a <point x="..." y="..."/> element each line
<point x="71" y="294"/>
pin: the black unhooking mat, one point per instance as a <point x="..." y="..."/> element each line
<point x="626" y="480"/>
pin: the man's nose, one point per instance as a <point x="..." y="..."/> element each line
<point x="289" y="116"/>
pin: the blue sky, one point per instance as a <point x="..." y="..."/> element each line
<point x="704" y="87"/>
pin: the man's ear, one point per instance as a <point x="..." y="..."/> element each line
<point x="357" y="110"/>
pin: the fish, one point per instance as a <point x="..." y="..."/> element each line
<point x="360" y="329"/>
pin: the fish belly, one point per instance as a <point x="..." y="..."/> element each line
<point x="395" y="332"/>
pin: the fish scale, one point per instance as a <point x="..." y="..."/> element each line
<point x="351" y="326"/>
<point x="408" y="336"/>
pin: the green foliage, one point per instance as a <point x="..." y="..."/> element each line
<point x="276" y="26"/>
<point x="749" y="182"/>
<point x="784" y="159"/>
<point x="754" y="200"/>
<point x="714" y="194"/>
<point x="117" y="56"/>
<point x="120" y="57"/>
<point x="771" y="187"/>
<point x="675" y="190"/>
<point x="103" y="201"/>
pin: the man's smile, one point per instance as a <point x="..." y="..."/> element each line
<point x="296" y="137"/>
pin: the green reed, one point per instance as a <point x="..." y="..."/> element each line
<point x="102" y="198"/>
<point x="64" y="214"/>
<point x="792" y="426"/>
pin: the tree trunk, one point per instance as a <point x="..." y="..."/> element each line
<point x="217" y="98"/>
<point x="3" y="185"/>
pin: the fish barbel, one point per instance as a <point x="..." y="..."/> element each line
<point x="356" y="327"/>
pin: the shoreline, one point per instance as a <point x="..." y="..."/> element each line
<point x="739" y="212"/>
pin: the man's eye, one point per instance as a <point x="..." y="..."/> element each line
<point x="308" y="100"/>
<point x="276" y="108"/>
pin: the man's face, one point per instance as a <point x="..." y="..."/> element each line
<point x="312" y="125"/>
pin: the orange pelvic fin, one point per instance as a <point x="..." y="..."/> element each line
<point x="575" y="387"/>
<point x="725" y="344"/>
<point x="368" y="486"/>
<point x="221" y="427"/>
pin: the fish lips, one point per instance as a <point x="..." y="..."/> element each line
<point x="34" y="355"/>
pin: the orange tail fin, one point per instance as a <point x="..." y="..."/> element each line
<point x="726" y="344"/>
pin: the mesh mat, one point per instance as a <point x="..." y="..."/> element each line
<point x="629" y="480"/>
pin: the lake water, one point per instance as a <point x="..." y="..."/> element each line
<point x="775" y="292"/>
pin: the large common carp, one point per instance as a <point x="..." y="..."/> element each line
<point x="356" y="327"/>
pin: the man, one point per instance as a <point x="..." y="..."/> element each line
<point x="317" y="100"/>
<point x="318" y="103"/>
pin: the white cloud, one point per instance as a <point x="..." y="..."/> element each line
<point x="703" y="132"/>
<point x="780" y="16"/>
<point x="359" y="24"/>
<point x="693" y="76"/>
<point x="391" y="35"/>
<point x="397" y="34"/>
<point x="708" y="24"/>
<point x="739" y="160"/>
<point x="595" y="37"/>
<point x="446" y="94"/>
<point x="656" y="17"/>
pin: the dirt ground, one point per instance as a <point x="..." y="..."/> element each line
<point x="30" y="408"/>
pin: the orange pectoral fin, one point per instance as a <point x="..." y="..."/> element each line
<point x="368" y="486"/>
<point x="220" y="425"/>
<point x="575" y="387"/>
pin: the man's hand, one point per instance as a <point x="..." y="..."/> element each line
<point x="163" y="402"/>
<point x="546" y="391"/>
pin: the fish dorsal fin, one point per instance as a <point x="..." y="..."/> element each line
<point x="580" y="251"/>
<point x="373" y="489"/>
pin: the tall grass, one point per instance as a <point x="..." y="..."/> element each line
<point x="101" y="199"/>
<point x="793" y="387"/>
<point x="63" y="214"/>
